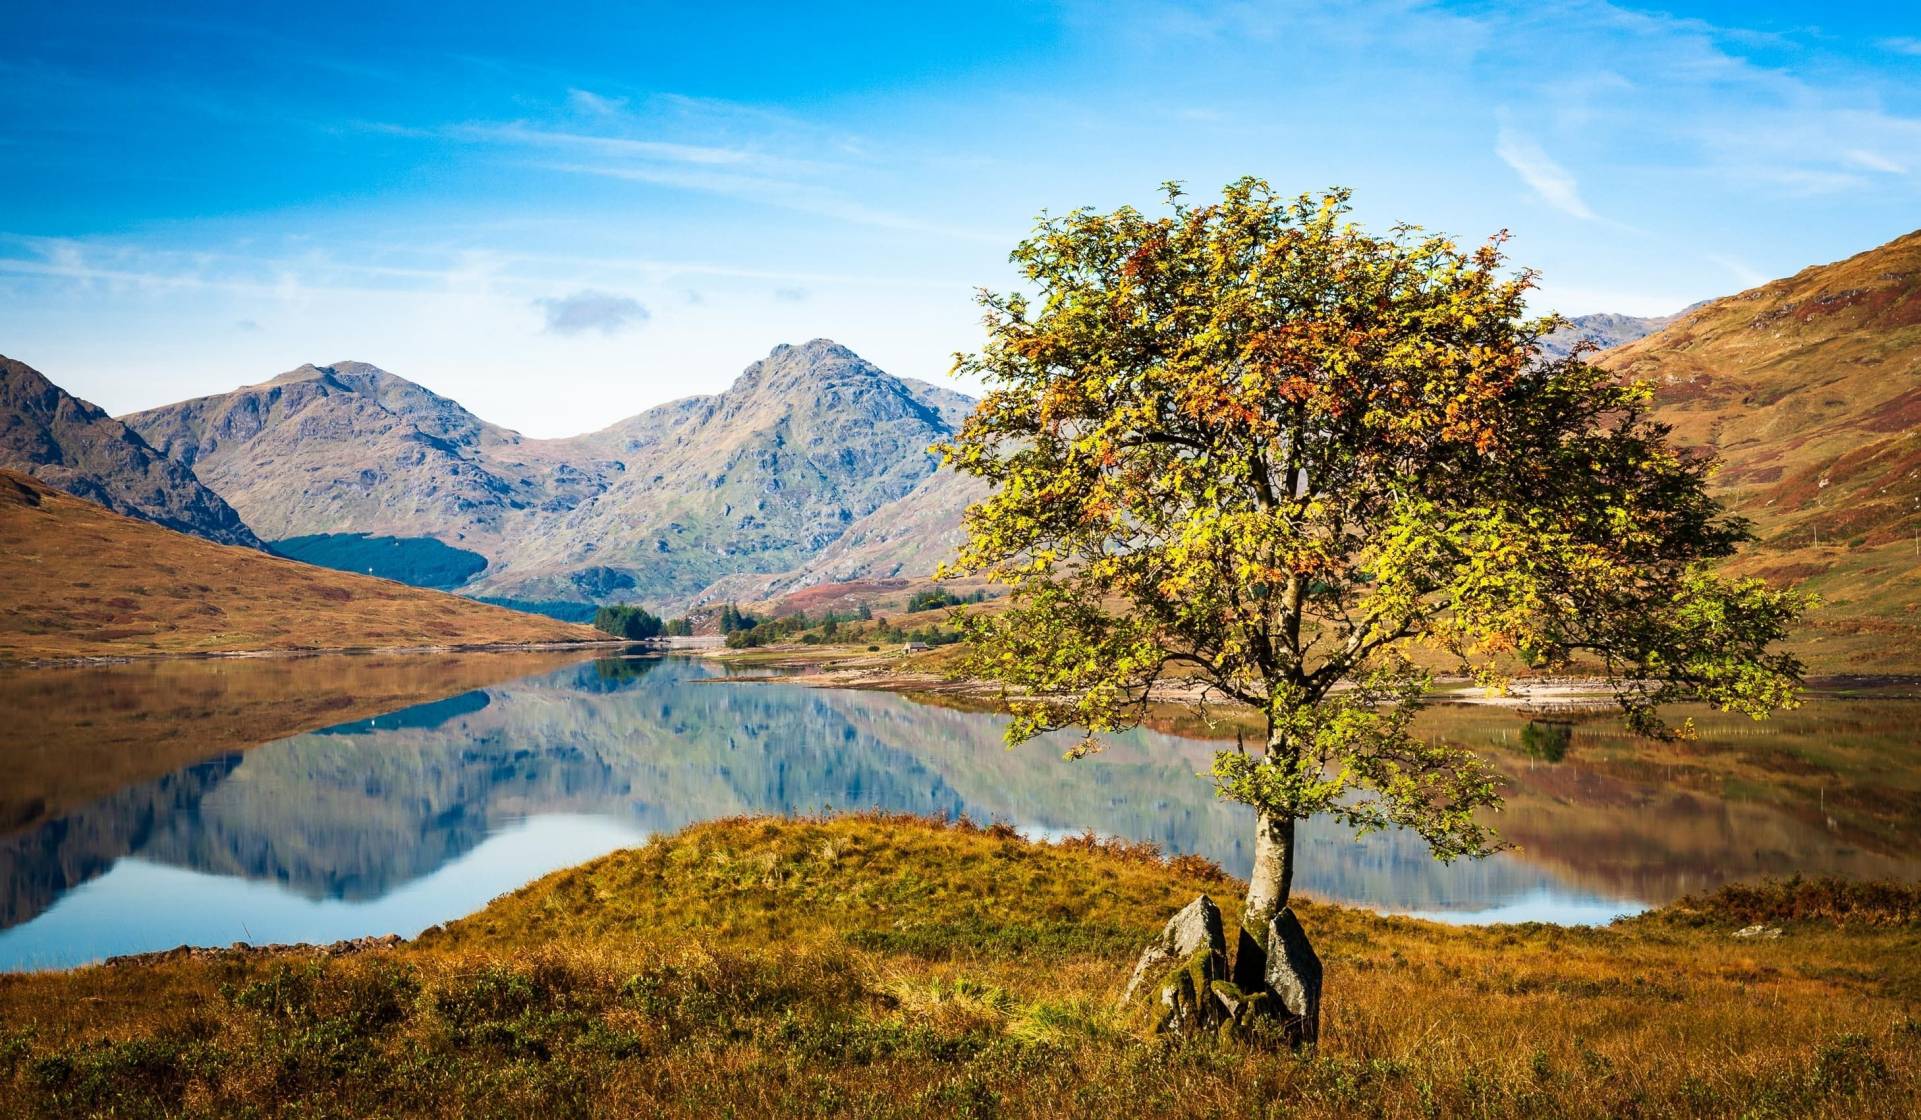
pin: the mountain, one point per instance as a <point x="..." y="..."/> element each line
<point x="83" y="581"/>
<point x="1606" y="330"/>
<point x="351" y="448"/>
<point x="904" y="539"/>
<point x="1809" y="389"/>
<point x="758" y="480"/>
<point x="67" y="443"/>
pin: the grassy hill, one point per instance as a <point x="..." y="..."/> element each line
<point x="71" y="444"/>
<point x="1809" y="388"/>
<point x="86" y="582"/>
<point x="895" y="967"/>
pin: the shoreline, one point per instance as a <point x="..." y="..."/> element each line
<point x="893" y="958"/>
<point x="847" y="667"/>
<point x="89" y="660"/>
<point x="1431" y="921"/>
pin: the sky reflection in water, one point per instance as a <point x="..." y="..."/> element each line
<point x="399" y="821"/>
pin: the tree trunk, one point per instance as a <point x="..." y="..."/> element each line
<point x="1273" y="877"/>
<point x="1267" y="891"/>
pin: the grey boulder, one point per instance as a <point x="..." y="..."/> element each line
<point x="1294" y="978"/>
<point x="1195" y="930"/>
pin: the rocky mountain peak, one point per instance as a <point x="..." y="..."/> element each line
<point x="307" y="372"/>
<point x="788" y="367"/>
<point x="825" y="383"/>
<point x="70" y="444"/>
<point x="756" y="479"/>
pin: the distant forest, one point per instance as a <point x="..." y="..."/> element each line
<point x="420" y="561"/>
<point x="566" y="610"/>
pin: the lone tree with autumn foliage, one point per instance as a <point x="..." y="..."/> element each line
<point x="1254" y="451"/>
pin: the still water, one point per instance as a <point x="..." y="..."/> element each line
<point x="143" y="807"/>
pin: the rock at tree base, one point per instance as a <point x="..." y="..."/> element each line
<point x="1294" y="978"/>
<point x="1180" y="984"/>
<point x="1250" y="962"/>
<point x="1195" y="928"/>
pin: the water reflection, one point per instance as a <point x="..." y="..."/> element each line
<point x="391" y="822"/>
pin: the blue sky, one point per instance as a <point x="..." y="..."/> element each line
<point x="560" y="214"/>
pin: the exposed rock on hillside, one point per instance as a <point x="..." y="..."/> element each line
<point x="760" y="478"/>
<point x="352" y="448"/>
<point x="67" y="443"/>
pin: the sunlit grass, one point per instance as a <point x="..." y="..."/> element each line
<point x="891" y="966"/>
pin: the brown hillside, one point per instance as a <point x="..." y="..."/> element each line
<point x="82" y="581"/>
<point x="60" y="439"/>
<point x="1809" y="388"/>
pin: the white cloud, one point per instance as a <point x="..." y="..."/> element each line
<point x="595" y="105"/>
<point x="1873" y="161"/>
<point x="589" y="310"/>
<point x="1746" y="274"/>
<point x="666" y="151"/>
<point x="1548" y="179"/>
<point x="1903" y="45"/>
<point x="790" y="194"/>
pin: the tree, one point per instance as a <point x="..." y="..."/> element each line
<point x="633" y="623"/>
<point x="929" y="600"/>
<point x="1250" y="444"/>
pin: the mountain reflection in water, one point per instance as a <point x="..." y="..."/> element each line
<point x="393" y="822"/>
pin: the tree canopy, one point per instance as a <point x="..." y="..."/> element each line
<point x="632" y="623"/>
<point x="1254" y="447"/>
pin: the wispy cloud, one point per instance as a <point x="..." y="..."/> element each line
<point x="382" y="266"/>
<point x="1873" y="161"/>
<point x="1548" y="179"/>
<point x="788" y="194"/>
<point x="1903" y="45"/>
<point x="589" y="310"/>
<point x="1746" y="274"/>
<point x="594" y="104"/>
<point x="665" y="151"/>
<point x="706" y="146"/>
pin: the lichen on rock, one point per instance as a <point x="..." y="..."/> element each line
<point x="1180" y="984"/>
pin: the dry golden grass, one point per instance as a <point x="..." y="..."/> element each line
<point x="887" y="966"/>
<point x="81" y="581"/>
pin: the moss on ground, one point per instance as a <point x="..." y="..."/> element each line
<point x="887" y="966"/>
